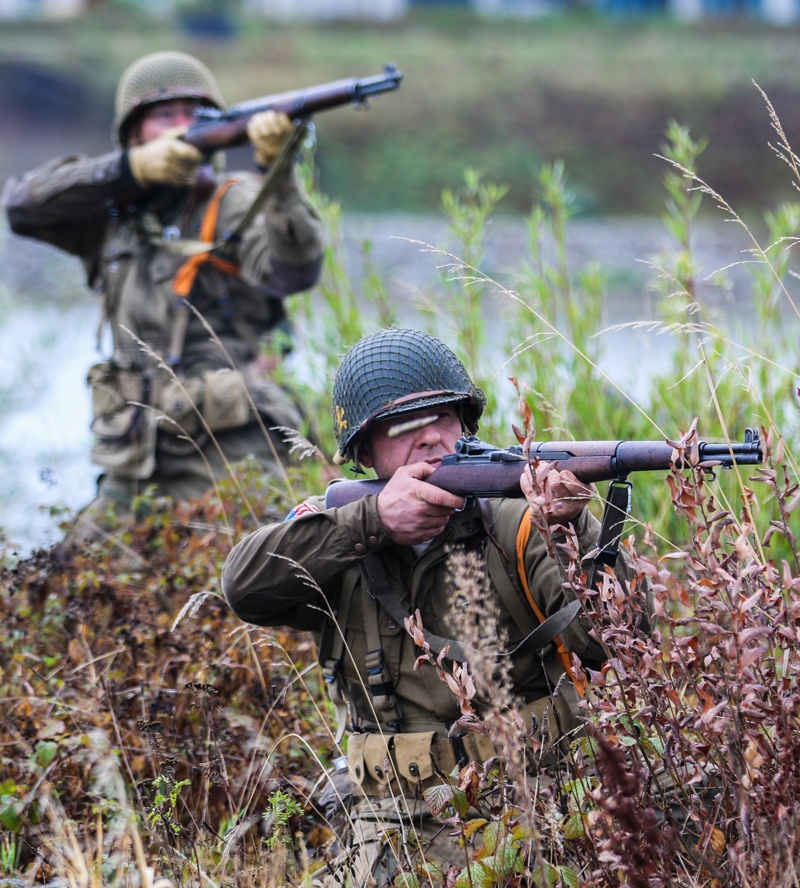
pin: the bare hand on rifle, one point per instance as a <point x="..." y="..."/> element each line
<point x="555" y="497"/>
<point x="412" y="511"/>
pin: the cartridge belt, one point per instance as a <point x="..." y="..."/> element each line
<point x="384" y="764"/>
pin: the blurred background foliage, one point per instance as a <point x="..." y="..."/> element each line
<point x="502" y="96"/>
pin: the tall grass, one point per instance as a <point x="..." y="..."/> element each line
<point x="147" y="732"/>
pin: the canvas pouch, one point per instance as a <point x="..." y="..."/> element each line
<point x="124" y="430"/>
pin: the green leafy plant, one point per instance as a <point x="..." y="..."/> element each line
<point x="282" y="808"/>
<point x="164" y="802"/>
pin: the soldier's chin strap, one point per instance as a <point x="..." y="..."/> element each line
<point x="618" y="507"/>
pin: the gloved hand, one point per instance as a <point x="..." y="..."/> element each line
<point x="268" y="131"/>
<point x="165" y="160"/>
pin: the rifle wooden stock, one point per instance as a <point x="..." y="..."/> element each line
<point x="215" y="130"/>
<point x="478" y="469"/>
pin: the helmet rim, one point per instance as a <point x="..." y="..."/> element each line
<point x="425" y="355"/>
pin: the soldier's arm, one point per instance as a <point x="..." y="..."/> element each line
<point x="66" y="202"/>
<point x="283" y="574"/>
<point x="281" y="251"/>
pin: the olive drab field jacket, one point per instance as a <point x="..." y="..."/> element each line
<point x="307" y="572"/>
<point x="131" y="255"/>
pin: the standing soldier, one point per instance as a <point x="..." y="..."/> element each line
<point x="401" y="400"/>
<point x="190" y="385"/>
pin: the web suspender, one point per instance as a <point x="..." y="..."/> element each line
<point x="330" y="670"/>
<point x="207" y="250"/>
<point x="379" y="681"/>
<point x="375" y="578"/>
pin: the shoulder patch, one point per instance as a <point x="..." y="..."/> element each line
<point x="303" y="509"/>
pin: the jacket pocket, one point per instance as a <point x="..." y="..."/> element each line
<point x="123" y="429"/>
<point x="226" y="402"/>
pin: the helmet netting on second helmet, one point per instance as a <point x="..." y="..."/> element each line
<point x="397" y="371"/>
<point x="159" y="77"/>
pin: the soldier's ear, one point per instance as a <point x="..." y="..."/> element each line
<point x="364" y="456"/>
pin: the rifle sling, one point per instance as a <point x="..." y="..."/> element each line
<point x="278" y="167"/>
<point x="617" y="509"/>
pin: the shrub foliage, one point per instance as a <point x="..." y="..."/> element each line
<point x="146" y="730"/>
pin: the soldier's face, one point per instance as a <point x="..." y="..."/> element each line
<point x="409" y="439"/>
<point x="160" y="117"/>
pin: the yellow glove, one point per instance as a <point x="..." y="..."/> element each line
<point x="165" y="160"/>
<point x="268" y="131"/>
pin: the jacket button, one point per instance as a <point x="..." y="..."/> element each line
<point x="373" y="541"/>
<point x="359" y="547"/>
<point x="357" y="769"/>
<point x="378" y="771"/>
<point x="413" y="769"/>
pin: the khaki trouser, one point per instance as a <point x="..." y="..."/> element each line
<point x="391" y="833"/>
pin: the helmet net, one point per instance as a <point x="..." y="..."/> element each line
<point x="398" y="371"/>
<point x="159" y="77"/>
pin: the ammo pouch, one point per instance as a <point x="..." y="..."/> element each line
<point x="226" y="399"/>
<point x="382" y="765"/>
<point x="219" y="396"/>
<point x="177" y="402"/>
<point x="124" y="431"/>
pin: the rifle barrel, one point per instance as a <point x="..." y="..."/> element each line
<point x="214" y="130"/>
<point x="480" y="469"/>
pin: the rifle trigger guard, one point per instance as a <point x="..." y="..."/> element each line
<point x="468" y="500"/>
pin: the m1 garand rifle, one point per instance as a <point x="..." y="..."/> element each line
<point x="477" y="469"/>
<point x="481" y="470"/>
<point x="213" y="130"/>
<point x="216" y="130"/>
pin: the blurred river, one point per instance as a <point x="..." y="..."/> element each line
<point x="48" y="344"/>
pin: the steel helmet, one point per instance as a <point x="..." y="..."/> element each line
<point x="159" y="77"/>
<point x="397" y="371"/>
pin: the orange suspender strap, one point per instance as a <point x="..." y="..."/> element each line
<point x="184" y="277"/>
<point x="523" y="534"/>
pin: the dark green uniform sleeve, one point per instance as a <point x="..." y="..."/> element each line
<point x="286" y="574"/>
<point x="281" y="251"/>
<point x="66" y="202"/>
